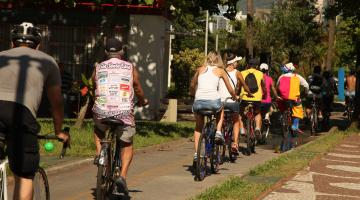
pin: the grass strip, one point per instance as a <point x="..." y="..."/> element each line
<point x="147" y="134"/>
<point x="264" y="176"/>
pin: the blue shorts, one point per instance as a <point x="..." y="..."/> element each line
<point x="232" y="106"/>
<point x="213" y="105"/>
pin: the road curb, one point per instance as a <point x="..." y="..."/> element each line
<point x="61" y="167"/>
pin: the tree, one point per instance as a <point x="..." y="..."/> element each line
<point x="331" y="39"/>
<point x="351" y="10"/>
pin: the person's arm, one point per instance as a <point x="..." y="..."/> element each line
<point x="303" y="83"/>
<point x="193" y="83"/>
<point x="273" y="89"/>
<point x="242" y="82"/>
<point x="138" y="89"/>
<point x="224" y="76"/>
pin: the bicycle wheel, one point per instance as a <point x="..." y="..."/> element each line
<point x="215" y="157"/>
<point x="41" y="185"/>
<point x="313" y="121"/>
<point x="200" y="169"/>
<point x="103" y="179"/>
<point x="250" y="143"/>
<point x="264" y="133"/>
<point x="3" y="189"/>
<point x="286" y="130"/>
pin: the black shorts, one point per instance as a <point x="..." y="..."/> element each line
<point x="244" y="104"/>
<point x="19" y="128"/>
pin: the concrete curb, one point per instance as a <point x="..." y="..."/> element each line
<point x="61" y="167"/>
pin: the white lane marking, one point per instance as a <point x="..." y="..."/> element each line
<point x="340" y="155"/>
<point x="344" y="168"/>
<point x="351" y="186"/>
<point x="349" y="146"/>
<point x="344" y="161"/>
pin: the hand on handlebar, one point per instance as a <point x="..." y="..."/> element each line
<point x="145" y="102"/>
<point x="249" y="95"/>
<point x="64" y="137"/>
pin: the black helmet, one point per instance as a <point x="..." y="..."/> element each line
<point x="26" y="33"/>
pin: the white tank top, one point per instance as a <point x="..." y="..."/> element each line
<point x="208" y="84"/>
<point x="224" y="93"/>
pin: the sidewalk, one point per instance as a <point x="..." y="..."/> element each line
<point x="335" y="176"/>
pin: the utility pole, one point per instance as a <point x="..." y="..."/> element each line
<point x="331" y="39"/>
<point x="217" y="34"/>
<point x="206" y="31"/>
<point x="249" y="32"/>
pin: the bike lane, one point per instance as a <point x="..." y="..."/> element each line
<point x="335" y="176"/>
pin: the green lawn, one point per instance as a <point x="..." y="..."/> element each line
<point x="148" y="133"/>
<point x="265" y="175"/>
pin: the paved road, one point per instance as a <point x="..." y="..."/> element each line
<point x="161" y="173"/>
<point x="336" y="176"/>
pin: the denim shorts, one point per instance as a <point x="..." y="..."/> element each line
<point x="214" y="105"/>
<point x="232" y="106"/>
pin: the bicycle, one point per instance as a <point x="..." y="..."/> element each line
<point x="228" y="135"/>
<point x="109" y="163"/>
<point x="265" y="127"/>
<point x="314" y="117"/>
<point x="289" y="139"/>
<point x="207" y="147"/>
<point x="40" y="182"/>
<point x="250" y="128"/>
<point x="350" y="108"/>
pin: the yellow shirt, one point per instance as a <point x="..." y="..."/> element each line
<point x="259" y="77"/>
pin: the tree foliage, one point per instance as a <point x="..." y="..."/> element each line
<point x="183" y="68"/>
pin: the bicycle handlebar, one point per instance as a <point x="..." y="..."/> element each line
<point x="54" y="137"/>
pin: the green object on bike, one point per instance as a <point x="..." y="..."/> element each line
<point x="49" y="146"/>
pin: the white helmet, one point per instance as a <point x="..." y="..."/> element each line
<point x="264" y="66"/>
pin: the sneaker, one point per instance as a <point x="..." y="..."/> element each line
<point x="219" y="138"/>
<point x="345" y="114"/>
<point x="121" y="185"/>
<point x="266" y="121"/>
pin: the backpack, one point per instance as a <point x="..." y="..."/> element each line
<point x="316" y="82"/>
<point x="251" y="82"/>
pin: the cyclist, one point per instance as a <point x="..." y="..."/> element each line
<point x="288" y="86"/>
<point x="116" y="81"/>
<point x="328" y="93"/>
<point x="254" y="79"/>
<point x="350" y="88"/>
<point x="266" y="108"/>
<point x="236" y="81"/>
<point x="317" y="84"/>
<point x="24" y="72"/>
<point x="204" y="86"/>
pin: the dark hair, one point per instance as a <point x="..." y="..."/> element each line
<point x="352" y="72"/>
<point x="317" y="69"/>
<point x="229" y="56"/>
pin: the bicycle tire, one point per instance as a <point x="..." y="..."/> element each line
<point x="232" y="155"/>
<point x="200" y="169"/>
<point x="3" y="186"/>
<point x="250" y="143"/>
<point x="313" y="121"/>
<point x="103" y="184"/>
<point x="41" y="185"/>
<point x="215" y="158"/>
<point x="286" y="129"/>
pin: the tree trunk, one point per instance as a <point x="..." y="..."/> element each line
<point x="82" y="113"/>
<point x="357" y="90"/>
<point x="331" y="40"/>
<point x="249" y="32"/>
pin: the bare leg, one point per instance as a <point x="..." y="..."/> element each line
<point x="236" y="127"/>
<point x="198" y="128"/>
<point x="220" y="120"/>
<point x="126" y="157"/>
<point x="97" y="143"/>
<point x="23" y="188"/>
<point x="258" y="120"/>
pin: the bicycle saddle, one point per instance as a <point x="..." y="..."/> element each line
<point x="207" y="112"/>
<point x="112" y="121"/>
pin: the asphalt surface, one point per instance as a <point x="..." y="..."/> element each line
<point x="163" y="172"/>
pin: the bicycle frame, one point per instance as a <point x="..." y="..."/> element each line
<point x="209" y="133"/>
<point x="3" y="180"/>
